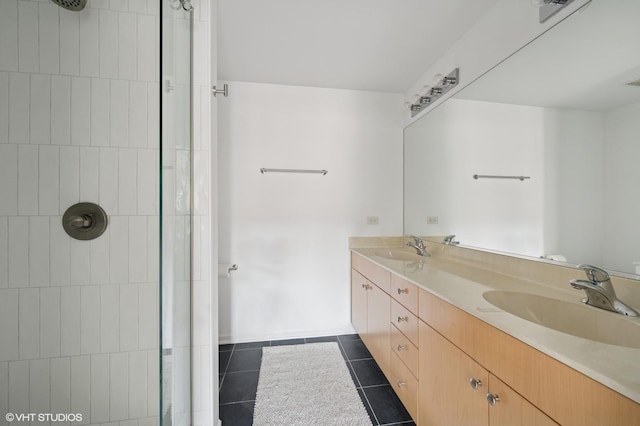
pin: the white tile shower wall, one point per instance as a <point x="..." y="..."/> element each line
<point x="79" y="122"/>
<point x="204" y="397"/>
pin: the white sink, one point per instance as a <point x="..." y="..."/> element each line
<point x="399" y="254"/>
<point x="571" y="318"/>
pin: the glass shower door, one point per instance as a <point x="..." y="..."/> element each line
<point x="176" y="207"/>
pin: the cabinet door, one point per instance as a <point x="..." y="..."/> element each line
<point x="359" y="285"/>
<point x="511" y="408"/>
<point x="378" y="327"/>
<point x="446" y="394"/>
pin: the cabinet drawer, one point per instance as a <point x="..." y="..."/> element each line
<point x="374" y="273"/>
<point x="405" y="350"/>
<point x="405" y="385"/>
<point x="406" y="322"/>
<point x="405" y="292"/>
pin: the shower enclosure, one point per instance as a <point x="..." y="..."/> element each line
<point x="95" y="107"/>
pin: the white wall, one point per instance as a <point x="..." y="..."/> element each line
<point x="458" y="140"/>
<point x="289" y="232"/>
<point x="551" y="213"/>
<point x="574" y="142"/>
<point x="79" y="122"/>
<point x="622" y="175"/>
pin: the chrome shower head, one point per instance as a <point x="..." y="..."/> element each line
<point x="74" y="5"/>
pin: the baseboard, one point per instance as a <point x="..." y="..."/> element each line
<point x="225" y="340"/>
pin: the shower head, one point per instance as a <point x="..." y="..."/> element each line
<point x="74" y="5"/>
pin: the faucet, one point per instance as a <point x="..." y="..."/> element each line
<point x="600" y="292"/>
<point x="418" y="244"/>
<point x="450" y="240"/>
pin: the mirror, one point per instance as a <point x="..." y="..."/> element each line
<point x="563" y="111"/>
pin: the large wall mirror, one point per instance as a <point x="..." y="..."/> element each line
<point x="563" y="111"/>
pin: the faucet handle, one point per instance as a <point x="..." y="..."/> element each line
<point x="418" y="241"/>
<point x="594" y="273"/>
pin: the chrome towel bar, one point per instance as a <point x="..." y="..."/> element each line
<point x="264" y="171"/>
<point x="500" y="177"/>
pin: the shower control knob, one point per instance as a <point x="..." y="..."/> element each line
<point x="85" y="221"/>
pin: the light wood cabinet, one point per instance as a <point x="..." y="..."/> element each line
<point x="512" y="409"/>
<point x="545" y="382"/>
<point x="359" y="286"/>
<point x="378" y="333"/>
<point x="435" y="349"/>
<point x="371" y="309"/>
<point x="446" y="396"/>
<point x="404" y="349"/>
<point x="405" y="321"/>
<point x="454" y="390"/>
<point x="405" y="385"/>
<point x="405" y="293"/>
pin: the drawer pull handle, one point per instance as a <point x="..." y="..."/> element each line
<point x="401" y="347"/>
<point x="492" y="399"/>
<point x="475" y="383"/>
<point x="400" y="383"/>
<point x="405" y="318"/>
<point x="403" y="290"/>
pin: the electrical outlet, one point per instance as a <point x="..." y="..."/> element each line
<point x="373" y="220"/>
<point x="432" y="220"/>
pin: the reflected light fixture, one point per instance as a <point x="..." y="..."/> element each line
<point x="441" y="85"/>
<point x="548" y="8"/>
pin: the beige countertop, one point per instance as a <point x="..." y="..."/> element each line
<point x="463" y="285"/>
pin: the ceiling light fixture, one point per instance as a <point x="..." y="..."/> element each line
<point x="441" y="85"/>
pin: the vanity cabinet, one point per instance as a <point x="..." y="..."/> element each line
<point x="404" y="342"/>
<point x="529" y="383"/>
<point x="371" y="309"/>
<point x="442" y="362"/>
<point x="454" y="390"/>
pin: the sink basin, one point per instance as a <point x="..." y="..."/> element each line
<point x="571" y="318"/>
<point x="399" y="254"/>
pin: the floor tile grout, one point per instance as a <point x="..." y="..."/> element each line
<point x="237" y="402"/>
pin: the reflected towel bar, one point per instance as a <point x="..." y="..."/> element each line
<point x="263" y="171"/>
<point x="500" y="177"/>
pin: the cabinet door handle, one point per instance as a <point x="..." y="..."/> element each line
<point x="475" y="383"/>
<point x="401" y="347"/>
<point x="364" y="286"/>
<point x="405" y="318"/>
<point x="492" y="398"/>
<point x="403" y="290"/>
<point x="400" y="383"/>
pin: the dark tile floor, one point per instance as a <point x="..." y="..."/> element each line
<point x="240" y="367"/>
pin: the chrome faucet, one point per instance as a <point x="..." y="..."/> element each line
<point x="418" y="244"/>
<point x="450" y="240"/>
<point x="600" y="292"/>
